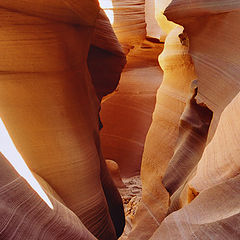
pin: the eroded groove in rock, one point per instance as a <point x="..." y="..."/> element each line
<point x="214" y="214"/>
<point x="222" y="153"/>
<point x="193" y="132"/>
<point x="214" y="35"/>
<point x="213" y="30"/>
<point x="126" y="114"/>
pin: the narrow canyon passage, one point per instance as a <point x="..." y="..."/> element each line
<point x="127" y="114"/>
<point x="119" y="119"/>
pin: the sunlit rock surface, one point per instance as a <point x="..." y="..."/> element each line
<point x="50" y="91"/>
<point x="50" y="106"/>
<point x="210" y="193"/>
<point x="129" y="22"/>
<point x="153" y="29"/>
<point x="162" y="136"/>
<point x="126" y="115"/>
<point x="127" y="19"/>
<point x="164" y="23"/>
<point x="213" y="30"/>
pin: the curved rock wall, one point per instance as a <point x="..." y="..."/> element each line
<point x="163" y="22"/>
<point x="194" y="175"/>
<point x="162" y="136"/>
<point x="209" y="194"/>
<point x="25" y="216"/>
<point x="126" y="115"/>
<point x="212" y="27"/>
<point x="222" y="153"/>
<point x="50" y="106"/>
<point x="214" y="214"/>
<point x="213" y="32"/>
<point x="128" y="21"/>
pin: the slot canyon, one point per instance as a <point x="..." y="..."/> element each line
<point x="118" y="120"/>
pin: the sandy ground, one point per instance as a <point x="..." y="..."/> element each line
<point x="131" y="196"/>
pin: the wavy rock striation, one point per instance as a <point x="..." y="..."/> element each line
<point x="25" y="216"/>
<point x="197" y="178"/>
<point x="213" y="32"/>
<point x="50" y="106"/>
<point x="162" y="136"/>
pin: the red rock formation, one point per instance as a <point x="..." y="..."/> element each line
<point x="129" y="22"/>
<point x="216" y="60"/>
<point x="115" y="173"/>
<point x="214" y="214"/>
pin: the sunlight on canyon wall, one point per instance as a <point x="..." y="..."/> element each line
<point x="8" y="149"/>
<point x="108" y="9"/>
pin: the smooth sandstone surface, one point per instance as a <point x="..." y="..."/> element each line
<point x="50" y="106"/>
<point x="192" y="137"/>
<point x="106" y="59"/>
<point x="213" y="30"/>
<point x="50" y="90"/>
<point x="153" y="29"/>
<point x="165" y="25"/>
<point x="128" y="21"/>
<point x="222" y="153"/>
<point x="214" y="214"/>
<point x="213" y="210"/>
<point x="217" y="66"/>
<point x="162" y="135"/>
<point x="126" y="115"/>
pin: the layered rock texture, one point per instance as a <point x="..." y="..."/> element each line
<point x="60" y="59"/>
<point x="25" y="216"/>
<point x="126" y="115"/>
<point x="50" y="107"/>
<point x="197" y="166"/>
<point x="162" y="135"/>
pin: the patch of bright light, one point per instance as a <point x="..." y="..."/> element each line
<point x="107" y="6"/>
<point x="8" y="149"/>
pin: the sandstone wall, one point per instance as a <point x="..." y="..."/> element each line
<point x="126" y="115"/>
<point x="162" y="136"/>
<point x="208" y="195"/>
<point x="50" y="106"/>
<point x="198" y="179"/>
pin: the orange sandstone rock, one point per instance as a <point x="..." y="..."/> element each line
<point x="115" y="173"/>
<point x="50" y="106"/>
